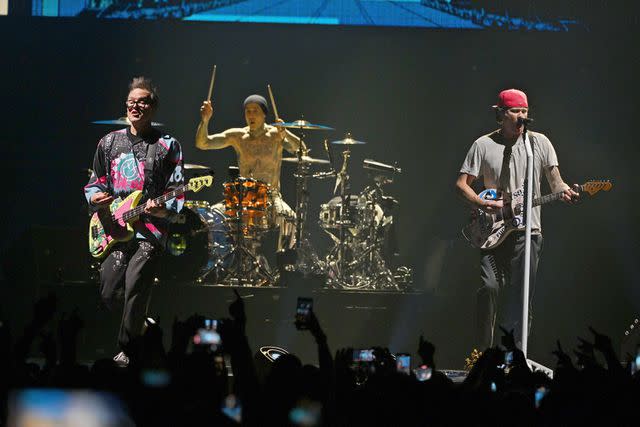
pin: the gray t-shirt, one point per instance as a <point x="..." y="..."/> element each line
<point x="485" y="159"/>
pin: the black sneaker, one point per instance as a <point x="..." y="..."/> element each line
<point x="121" y="360"/>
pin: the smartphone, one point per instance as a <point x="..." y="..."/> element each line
<point x="508" y="358"/>
<point x="208" y="334"/>
<point x="363" y="355"/>
<point x="403" y="363"/>
<point x="541" y="392"/>
<point x="303" y="311"/>
<point x="423" y="373"/>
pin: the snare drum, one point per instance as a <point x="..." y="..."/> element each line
<point x="196" y="245"/>
<point x="251" y="198"/>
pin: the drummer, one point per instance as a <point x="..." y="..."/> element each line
<point x="259" y="149"/>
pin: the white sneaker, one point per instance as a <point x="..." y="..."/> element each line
<point x="121" y="360"/>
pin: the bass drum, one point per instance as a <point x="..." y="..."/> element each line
<point x="197" y="245"/>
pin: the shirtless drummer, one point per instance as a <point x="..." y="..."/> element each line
<point x="259" y="149"/>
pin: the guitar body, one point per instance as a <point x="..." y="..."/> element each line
<point x="106" y="227"/>
<point x="487" y="231"/>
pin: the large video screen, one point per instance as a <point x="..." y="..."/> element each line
<point x="528" y="15"/>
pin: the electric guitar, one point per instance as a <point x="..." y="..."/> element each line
<point x="109" y="226"/>
<point x="488" y="230"/>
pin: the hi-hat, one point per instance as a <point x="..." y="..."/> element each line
<point x="301" y="124"/>
<point x="122" y="121"/>
<point x="306" y="159"/>
<point x="348" y="141"/>
<point x="194" y="166"/>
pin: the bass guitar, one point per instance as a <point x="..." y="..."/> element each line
<point x="488" y="230"/>
<point x="112" y="225"/>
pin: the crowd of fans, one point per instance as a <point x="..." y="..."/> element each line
<point x="150" y="9"/>
<point x="479" y="16"/>
<point x="189" y="383"/>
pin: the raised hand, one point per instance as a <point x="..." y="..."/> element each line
<point x="206" y="111"/>
<point x="563" y="358"/>
<point x="507" y="339"/>
<point x="584" y="353"/>
<point x="426" y="351"/>
<point x="601" y="342"/>
<point x="237" y="312"/>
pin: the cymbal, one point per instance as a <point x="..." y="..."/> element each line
<point x="301" y="124"/>
<point x="306" y="159"/>
<point x="121" y="121"/>
<point x="194" y="166"/>
<point x="348" y="141"/>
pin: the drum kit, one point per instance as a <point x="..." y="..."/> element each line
<point x="220" y="243"/>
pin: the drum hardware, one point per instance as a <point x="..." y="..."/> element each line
<point x="307" y="260"/>
<point x="348" y="140"/>
<point x="362" y="222"/>
<point x="192" y="166"/>
<point x="246" y="203"/>
<point x="301" y="125"/>
<point x="306" y="159"/>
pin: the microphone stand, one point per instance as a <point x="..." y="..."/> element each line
<point x="527" y="243"/>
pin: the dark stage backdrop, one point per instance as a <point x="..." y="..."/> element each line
<point x="419" y="98"/>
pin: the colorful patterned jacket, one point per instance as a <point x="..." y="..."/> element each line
<point x="118" y="169"/>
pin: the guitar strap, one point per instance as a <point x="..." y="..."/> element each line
<point x="505" y="171"/>
<point x="148" y="166"/>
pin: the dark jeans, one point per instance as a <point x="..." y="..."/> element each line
<point x="130" y="265"/>
<point x="499" y="300"/>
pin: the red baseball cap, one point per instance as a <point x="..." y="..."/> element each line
<point x="512" y="98"/>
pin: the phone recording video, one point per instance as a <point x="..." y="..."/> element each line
<point x="303" y="312"/>
<point x="403" y="363"/>
<point x="365" y="355"/>
<point x="423" y="373"/>
<point x="208" y="334"/>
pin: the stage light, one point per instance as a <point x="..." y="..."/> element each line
<point x="272" y="353"/>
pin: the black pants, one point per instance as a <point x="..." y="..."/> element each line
<point x="499" y="300"/>
<point x="129" y="266"/>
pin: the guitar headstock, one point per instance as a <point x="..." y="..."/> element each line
<point x="594" y="186"/>
<point x="197" y="184"/>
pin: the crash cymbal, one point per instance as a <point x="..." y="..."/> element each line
<point x="301" y="124"/>
<point x="122" y="121"/>
<point x="194" y="166"/>
<point x="348" y="141"/>
<point x="306" y="159"/>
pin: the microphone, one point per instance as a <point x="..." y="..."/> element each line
<point x="524" y="121"/>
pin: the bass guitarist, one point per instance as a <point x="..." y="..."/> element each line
<point x="500" y="159"/>
<point x="135" y="158"/>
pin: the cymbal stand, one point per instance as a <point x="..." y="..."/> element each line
<point x="307" y="261"/>
<point x="245" y="268"/>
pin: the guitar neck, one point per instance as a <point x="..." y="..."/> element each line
<point x="550" y="198"/>
<point x="159" y="200"/>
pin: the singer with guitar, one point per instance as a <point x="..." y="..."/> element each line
<point x="134" y="159"/>
<point x="500" y="159"/>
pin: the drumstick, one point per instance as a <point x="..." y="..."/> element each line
<point x="213" y="78"/>
<point x="275" y="110"/>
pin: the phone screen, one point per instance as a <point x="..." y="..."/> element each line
<point x="303" y="310"/>
<point x="208" y="333"/>
<point x="423" y="373"/>
<point x="363" y="355"/>
<point x="403" y="363"/>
